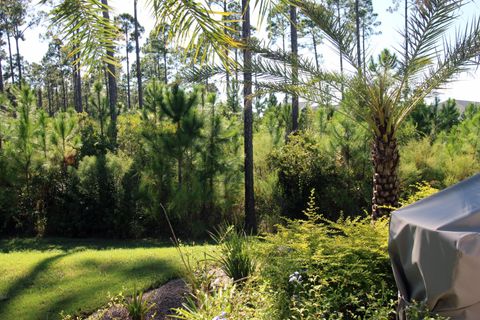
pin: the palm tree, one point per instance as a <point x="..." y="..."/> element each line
<point x="377" y="95"/>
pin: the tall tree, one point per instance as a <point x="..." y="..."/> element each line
<point x="20" y="19"/>
<point x="357" y="32"/>
<point x="1" y="58"/>
<point x="77" y="83"/>
<point x="189" y="21"/>
<point x="112" y="80"/>
<point x="250" y="217"/>
<point x="294" y="48"/>
<point x="277" y="27"/>
<point x="127" y="24"/>
<point x="376" y="96"/>
<point x="180" y="108"/>
<point x="137" y="53"/>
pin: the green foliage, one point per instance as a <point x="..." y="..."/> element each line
<point x="421" y="190"/>
<point x="443" y="162"/>
<point x="252" y="301"/>
<point x="235" y="258"/>
<point x="419" y="311"/>
<point x="432" y="119"/>
<point x="308" y="162"/>
<point x="137" y="306"/>
<point x="42" y="277"/>
<point x="344" y="267"/>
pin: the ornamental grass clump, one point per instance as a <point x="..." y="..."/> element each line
<point x="235" y="258"/>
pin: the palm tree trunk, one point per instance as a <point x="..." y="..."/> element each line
<point x="250" y="217"/>
<point x="294" y="45"/>
<point x="386" y="184"/>
<point x="137" y="53"/>
<point x="128" y="69"/>
<point x="112" y="83"/>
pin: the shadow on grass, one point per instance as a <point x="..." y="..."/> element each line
<point x="80" y="298"/>
<point x="66" y="244"/>
<point x="26" y="282"/>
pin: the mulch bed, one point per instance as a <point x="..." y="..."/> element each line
<point x="170" y="295"/>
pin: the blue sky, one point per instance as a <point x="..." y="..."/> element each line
<point x="467" y="86"/>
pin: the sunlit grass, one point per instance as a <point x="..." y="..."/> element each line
<point x="39" y="279"/>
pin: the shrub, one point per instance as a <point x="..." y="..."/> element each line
<point x="344" y="267"/>
<point x="303" y="164"/>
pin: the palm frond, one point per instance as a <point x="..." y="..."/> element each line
<point x="426" y="28"/>
<point x="336" y="31"/>
<point x="196" y="25"/>
<point x="456" y="58"/>
<point x="85" y="31"/>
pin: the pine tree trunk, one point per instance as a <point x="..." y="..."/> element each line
<point x="64" y="94"/>
<point x="49" y="98"/>
<point x="363" y="46"/>
<point x="227" y="73"/>
<point x="10" y="57"/>
<point x="406" y="47"/>
<point x="250" y="217"/>
<point x="165" y="67"/>
<point x="294" y="47"/>
<point x="128" y="70"/>
<point x="314" y="39"/>
<point x="77" y="87"/>
<point x="19" y="66"/>
<point x="57" y="99"/>
<point x="357" y="33"/>
<point x="284" y="49"/>
<point x="112" y="83"/>
<point x="341" y="56"/>
<point x="137" y="53"/>
<point x="386" y="184"/>
<point x="39" y="98"/>
<point x="1" y="77"/>
<point x="179" y="160"/>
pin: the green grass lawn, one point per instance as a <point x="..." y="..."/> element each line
<point x="40" y="278"/>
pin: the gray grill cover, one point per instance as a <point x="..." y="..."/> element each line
<point x="434" y="246"/>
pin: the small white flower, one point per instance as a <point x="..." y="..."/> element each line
<point x="222" y="316"/>
<point x="295" y="277"/>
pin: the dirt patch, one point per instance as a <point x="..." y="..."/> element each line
<point x="170" y="295"/>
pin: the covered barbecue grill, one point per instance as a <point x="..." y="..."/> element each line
<point x="434" y="247"/>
